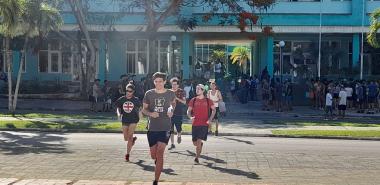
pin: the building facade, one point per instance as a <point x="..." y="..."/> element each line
<point x="331" y="29"/>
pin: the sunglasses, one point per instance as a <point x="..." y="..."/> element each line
<point x="129" y="91"/>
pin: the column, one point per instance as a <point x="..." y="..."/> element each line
<point x="187" y="55"/>
<point x="355" y="50"/>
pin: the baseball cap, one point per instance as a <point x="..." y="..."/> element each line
<point x="201" y="86"/>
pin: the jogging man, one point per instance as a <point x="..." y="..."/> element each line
<point x="178" y="111"/>
<point x="158" y="105"/>
<point x="129" y="112"/>
<point x="198" y="112"/>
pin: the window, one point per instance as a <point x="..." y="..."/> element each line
<point x="58" y="56"/>
<point x="137" y="56"/>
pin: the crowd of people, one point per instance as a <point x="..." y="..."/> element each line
<point x="361" y="96"/>
<point x="164" y="108"/>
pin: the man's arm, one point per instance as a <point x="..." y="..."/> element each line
<point x="146" y="112"/>
<point x="189" y="110"/>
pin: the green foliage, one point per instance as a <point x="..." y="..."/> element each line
<point x="374" y="27"/>
<point x="240" y="55"/>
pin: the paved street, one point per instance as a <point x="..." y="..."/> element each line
<point x="225" y="160"/>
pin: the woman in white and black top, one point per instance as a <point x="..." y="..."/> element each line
<point x="215" y="96"/>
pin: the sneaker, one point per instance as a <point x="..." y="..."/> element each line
<point x="134" y="140"/>
<point x="127" y="157"/>
<point x="196" y="160"/>
<point x="155" y="182"/>
<point x="179" y="140"/>
<point x="216" y="133"/>
<point x="171" y="147"/>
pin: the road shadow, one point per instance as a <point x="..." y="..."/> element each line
<point x="17" y="143"/>
<point x="238" y="140"/>
<point x="192" y="154"/>
<point x="237" y="172"/>
<point x="145" y="167"/>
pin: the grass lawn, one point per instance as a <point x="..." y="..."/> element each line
<point x="351" y="123"/>
<point x="100" y="126"/>
<point x="63" y="115"/>
<point x="346" y="133"/>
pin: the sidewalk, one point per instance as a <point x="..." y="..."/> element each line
<point x="14" y="181"/>
<point x="233" y="109"/>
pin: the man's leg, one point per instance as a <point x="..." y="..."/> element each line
<point x="198" y="148"/>
<point x="160" y="160"/>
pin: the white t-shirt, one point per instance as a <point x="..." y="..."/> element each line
<point x="342" y="97"/>
<point x="329" y="99"/>
<point x="349" y="91"/>
<point x="187" y="90"/>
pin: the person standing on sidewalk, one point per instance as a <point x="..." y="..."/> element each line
<point x="178" y="111"/>
<point x="342" y="102"/>
<point x="198" y="112"/>
<point x="329" y="104"/>
<point x="129" y="112"/>
<point x="158" y="105"/>
<point x="215" y="96"/>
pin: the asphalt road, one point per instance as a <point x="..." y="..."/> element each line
<point x="86" y="156"/>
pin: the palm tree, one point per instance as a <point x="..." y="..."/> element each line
<point x="10" y="11"/>
<point x="375" y="25"/>
<point x="240" y="55"/>
<point x="33" y="18"/>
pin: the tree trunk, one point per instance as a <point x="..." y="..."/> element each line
<point x="19" y="75"/>
<point x="90" y="69"/>
<point x="153" y="61"/>
<point x="9" y="67"/>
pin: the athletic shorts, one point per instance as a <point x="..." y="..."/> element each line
<point x="177" y="123"/>
<point x="342" y="107"/>
<point x="199" y="132"/>
<point x="158" y="136"/>
<point x="127" y="123"/>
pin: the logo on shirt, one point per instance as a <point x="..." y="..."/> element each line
<point x="128" y="107"/>
<point x="159" y="104"/>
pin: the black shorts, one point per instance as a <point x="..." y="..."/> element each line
<point x="199" y="132"/>
<point x="342" y="107"/>
<point x="371" y="99"/>
<point x="349" y="98"/>
<point x="177" y="123"/>
<point x="336" y="96"/>
<point x="158" y="136"/>
<point x="128" y="123"/>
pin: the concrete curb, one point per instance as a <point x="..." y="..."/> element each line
<point x="188" y="133"/>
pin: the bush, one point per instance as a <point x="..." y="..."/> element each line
<point x="10" y="125"/>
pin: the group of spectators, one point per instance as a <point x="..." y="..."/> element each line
<point x="363" y="96"/>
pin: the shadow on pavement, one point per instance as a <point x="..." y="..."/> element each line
<point x="16" y="143"/>
<point x="145" y="167"/>
<point x="192" y="154"/>
<point x="238" y="140"/>
<point x="250" y="175"/>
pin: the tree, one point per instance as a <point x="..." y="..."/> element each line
<point x="240" y="55"/>
<point x="374" y="27"/>
<point x="34" y="18"/>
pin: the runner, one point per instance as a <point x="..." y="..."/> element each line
<point x="178" y="111"/>
<point x="215" y="96"/>
<point x="198" y="112"/>
<point x="158" y="105"/>
<point x="129" y="112"/>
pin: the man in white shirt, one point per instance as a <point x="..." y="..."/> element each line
<point x="349" y="92"/>
<point x="329" y="103"/>
<point x="342" y="102"/>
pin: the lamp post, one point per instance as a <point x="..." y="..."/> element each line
<point x="281" y="44"/>
<point x="172" y="39"/>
